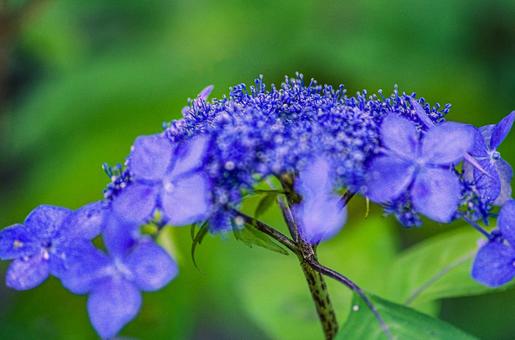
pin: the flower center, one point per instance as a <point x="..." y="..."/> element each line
<point x="495" y="155"/>
<point x="169" y="186"/>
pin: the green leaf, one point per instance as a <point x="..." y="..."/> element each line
<point x="265" y="203"/>
<point x="403" y="323"/>
<point x="253" y="237"/>
<point x="436" y="268"/>
<point x="204" y="228"/>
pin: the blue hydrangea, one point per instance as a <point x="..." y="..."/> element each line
<point x="259" y="132"/>
<point x="490" y="173"/>
<point x="113" y="280"/>
<point x="167" y="177"/>
<point x="494" y="265"/>
<point x="396" y="150"/>
<point x="48" y="242"/>
<point x="422" y="165"/>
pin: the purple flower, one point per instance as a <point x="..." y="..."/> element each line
<point x="495" y="261"/>
<point x="47" y="242"/>
<point x="114" y="279"/>
<point x="420" y="165"/>
<point x="493" y="180"/>
<point x="321" y="213"/>
<point x="167" y="177"/>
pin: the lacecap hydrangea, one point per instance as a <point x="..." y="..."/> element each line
<point x="323" y="145"/>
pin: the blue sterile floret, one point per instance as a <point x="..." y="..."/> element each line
<point x="47" y="242"/>
<point x="396" y="150"/>
<point x="494" y="265"/>
<point x="492" y="175"/>
<point x="421" y="165"/>
<point x="113" y="280"/>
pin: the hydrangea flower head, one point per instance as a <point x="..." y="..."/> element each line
<point x="420" y="164"/>
<point x="493" y="180"/>
<point x="166" y="177"/>
<point x="47" y="242"/>
<point x="494" y="265"/>
<point x="114" y="279"/>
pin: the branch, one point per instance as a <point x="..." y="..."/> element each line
<point x="265" y="228"/>
<point x="355" y="288"/>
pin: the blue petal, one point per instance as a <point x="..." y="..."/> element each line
<point x="505" y="174"/>
<point x="501" y="130"/>
<point x="488" y="185"/>
<point x="24" y="274"/>
<point x="150" y="157"/>
<point x="421" y="113"/>
<point x="479" y="148"/>
<point x="86" y="222"/>
<point x="387" y="178"/>
<point x="120" y="236"/>
<point x="136" y="202"/>
<point x="493" y="265"/>
<point x="45" y="221"/>
<point x="436" y="194"/>
<point x="315" y="178"/>
<point x="16" y="242"/>
<point x="111" y="305"/>
<point x="186" y="200"/>
<point x="506" y="221"/>
<point x="320" y="218"/>
<point x="447" y="143"/>
<point x="189" y="155"/>
<point x="400" y="136"/>
<point x="84" y="270"/>
<point x="151" y="266"/>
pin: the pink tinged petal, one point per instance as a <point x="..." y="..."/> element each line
<point x="506" y="222"/>
<point x="151" y="266"/>
<point x="45" y="221"/>
<point x="86" y="222"/>
<point x="447" y="143"/>
<point x="388" y="177"/>
<point x="24" y="274"/>
<point x="136" y="202"/>
<point x="320" y="219"/>
<point x="501" y="130"/>
<point x="86" y="269"/>
<point x="436" y="194"/>
<point x="204" y="94"/>
<point x="505" y="175"/>
<point x="113" y="304"/>
<point x="189" y="155"/>
<point x="15" y="242"/>
<point x="315" y="178"/>
<point x="400" y="136"/>
<point x="494" y="264"/>
<point x="421" y="113"/>
<point x="150" y="157"/>
<point x="186" y="200"/>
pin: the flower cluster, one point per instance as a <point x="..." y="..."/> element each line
<point x="397" y="151"/>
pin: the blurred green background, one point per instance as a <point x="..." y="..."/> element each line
<point x="79" y="80"/>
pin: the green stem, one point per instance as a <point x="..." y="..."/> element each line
<point x="320" y="295"/>
<point x="306" y="255"/>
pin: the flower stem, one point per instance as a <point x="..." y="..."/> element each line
<point x="307" y="254"/>
<point x="320" y="295"/>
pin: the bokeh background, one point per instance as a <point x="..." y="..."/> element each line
<point x="79" y="80"/>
